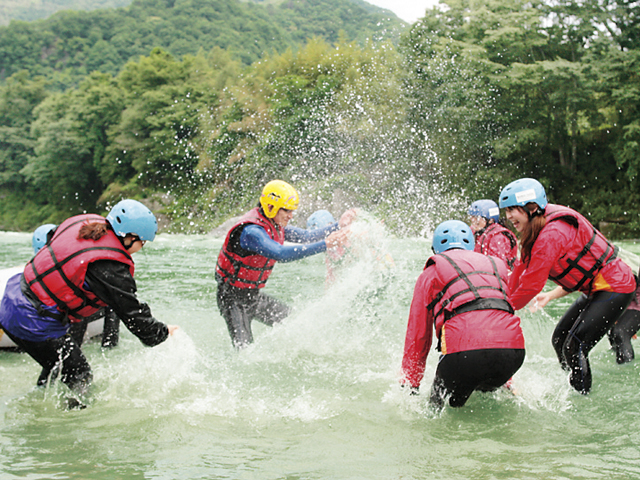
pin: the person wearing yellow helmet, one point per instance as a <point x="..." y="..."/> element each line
<point x="251" y="249"/>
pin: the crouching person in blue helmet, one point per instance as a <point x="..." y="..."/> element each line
<point x="111" y="322"/>
<point x="491" y="236"/>
<point x="110" y="326"/>
<point x="463" y="296"/>
<point x="250" y="251"/>
<point x="85" y="265"/>
<point x="559" y="244"/>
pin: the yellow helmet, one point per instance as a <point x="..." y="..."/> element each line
<point x="279" y="194"/>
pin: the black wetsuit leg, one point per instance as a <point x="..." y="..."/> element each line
<point x="60" y="355"/>
<point x="235" y="313"/>
<point x="239" y="306"/>
<point x="581" y="328"/>
<point x="270" y="310"/>
<point x="621" y="333"/>
<point x="564" y="325"/>
<point x="460" y="374"/>
<point x="77" y="331"/>
<point x="111" y="329"/>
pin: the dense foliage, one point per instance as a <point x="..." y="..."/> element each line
<point x="476" y="95"/>
<point x="28" y="10"/>
<point x="526" y="88"/>
<point x="71" y="44"/>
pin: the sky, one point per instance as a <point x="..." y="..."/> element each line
<point x="407" y="10"/>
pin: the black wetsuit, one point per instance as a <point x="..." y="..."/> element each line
<point x="239" y="306"/>
<point x="460" y="374"/>
<point x="581" y="327"/>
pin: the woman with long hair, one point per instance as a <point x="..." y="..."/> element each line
<point x="559" y="244"/>
<point x="84" y="266"/>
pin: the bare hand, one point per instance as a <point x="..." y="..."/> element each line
<point x="348" y="217"/>
<point x="542" y="299"/>
<point x="337" y="239"/>
<point x="539" y="301"/>
<point x="172" y="328"/>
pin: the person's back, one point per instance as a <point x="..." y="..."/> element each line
<point x="463" y="296"/>
<point x="461" y="283"/>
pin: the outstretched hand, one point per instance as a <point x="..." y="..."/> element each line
<point x="348" y="217"/>
<point x="541" y="300"/>
<point x="172" y="328"/>
<point x="338" y="238"/>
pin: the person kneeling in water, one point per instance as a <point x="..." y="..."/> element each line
<point x="464" y="296"/>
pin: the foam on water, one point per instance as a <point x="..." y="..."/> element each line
<point x="314" y="397"/>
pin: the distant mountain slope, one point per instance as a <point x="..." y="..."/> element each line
<point x="70" y="44"/>
<point x="29" y="10"/>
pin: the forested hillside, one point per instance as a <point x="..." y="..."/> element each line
<point x="29" y="10"/>
<point x="71" y="44"/>
<point x="471" y="98"/>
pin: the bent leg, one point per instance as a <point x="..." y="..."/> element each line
<point x="111" y="329"/>
<point x="235" y="306"/>
<point x="621" y="333"/>
<point x="459" y="374"/>
<point x="564" y="326"/>
<point x="270" y="310"/>
<point x="602" y="311"/>
<point x="60" y="355"/>
<point x="77" y="331"/>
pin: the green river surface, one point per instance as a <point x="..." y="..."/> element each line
<point x="316" y="397"/>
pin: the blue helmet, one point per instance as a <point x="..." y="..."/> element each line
<point x="485" y="208"/>
<point x="131" y="216"/>
<point x="320" y="219"/>
<point x="452" y="234"/>
<point x="523" y="191"/>
<point x="39" y="238"/>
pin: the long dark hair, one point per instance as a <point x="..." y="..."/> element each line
<point x="531" y="230"/>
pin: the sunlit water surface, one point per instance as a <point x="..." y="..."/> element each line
<point x="314" y="398"/>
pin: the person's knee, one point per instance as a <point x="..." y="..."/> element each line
<point x="457" y="401"/>
<point x="78" y="379"/>
<point x="571" y="347"/>
<point x="621" y="342"/>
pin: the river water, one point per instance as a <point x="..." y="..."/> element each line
<point x="316" y="397"/>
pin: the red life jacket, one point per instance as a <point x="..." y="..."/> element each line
<point x="242" y="268"/>
<point x="483" y="243"/>
<point x="577" y="268"/>
<point x="468" y="286"/>
<point x="55" y="276"/>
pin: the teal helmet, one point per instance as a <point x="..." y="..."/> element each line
<point x="485" y="208"/>
<point x="523" y="191"/>
<point x="452" y="234"/>
<point x="132" y="217"/>
<point x="320" y="219"/>
<point x="40" y="234"/>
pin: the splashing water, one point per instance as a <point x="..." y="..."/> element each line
<point x="315" y="397"/>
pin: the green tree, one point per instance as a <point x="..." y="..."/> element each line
<point x="18" y="99"/>
<point x="166" y="100"/>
